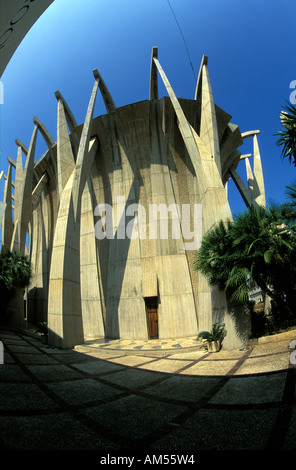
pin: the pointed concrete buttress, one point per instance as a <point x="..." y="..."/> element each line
<point x="153" y="76"/>
<point x="213" y="197"/>
<point x="64" y="306"/>
<point x="256" y="188"/>
<point x="258" y="174"/>
<point x="7" y="227"/>
<point x="18" y="177"/>
<point x="24" y="204"/>
<point x="65" y="157"/>
<point x="208" y="122"/>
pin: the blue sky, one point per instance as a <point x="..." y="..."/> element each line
<point x="250" y="45"/>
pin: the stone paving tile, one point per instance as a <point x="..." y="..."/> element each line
<point x="70" y="357"/>
<point x="12" y="373"/>
<point x="183" y="388"/>
<point x="176" y="343"/>
<point x="243" y="390"/>
<point x="24" y="396"/>
<point x="12" y="340"/>
<point x="270" y="348"/>
<point x="132" y="360"/>
<point x="8" y="359"/>
<point x="52" y="432"/>
<point x="210" y="368"/>
<point x="193" y="355"/>
<point x="101" y="353"/>
<point x="83" y="391"/>
<point x="165" y="365"/>
<point x="290" y="439"/>
<point x="264" y="364"/>
<point x="9" y="335"/>
<point x="92" y="399"/>
<point x="97" y="367"/>
<point x="134" y="415"/>
<point x="220" y="430"/>
<point x="34" y="358"/>
<point x="53" y="372"/>
<point x="134" y="378"/>
<point x="22" y="348"/>
<point x="226" y="355"/>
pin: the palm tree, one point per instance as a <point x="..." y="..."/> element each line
<point x="212" y="259"/>
<point x="288" y="134"/>
<point x="15" y="272"/>
<point x="256" y="246"/>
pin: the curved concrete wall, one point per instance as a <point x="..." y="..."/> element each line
<point x="16" y="19"/>
<point x="145" y="165"/>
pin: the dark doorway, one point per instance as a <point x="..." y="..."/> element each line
<point x="152" y="304"/>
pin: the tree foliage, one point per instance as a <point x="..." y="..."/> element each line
<point x="259" y="246"/>
<point x="287" y="135"/>
<point x="15" y="272"/>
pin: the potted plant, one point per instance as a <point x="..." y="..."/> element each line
<point x="214" y="338"/>
<point x="43" y="329"/>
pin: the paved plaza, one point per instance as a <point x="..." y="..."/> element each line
<point x="145" y="397"/>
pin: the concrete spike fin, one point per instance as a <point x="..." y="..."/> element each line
<point x="7" y="227"/>
<point x="11" y="162"/>
<point x="22" y="146"/>
<point x="18" y="180"/>
<point x="153" y="76"/>
<point x="106" y="95"/>
<point x="65" y="157"/>
<point x="245" y="155"/>
<point x="69" y="115"/>
<point x="204" y="61"/>
<point x="38" y="189"/>
<point x="258" y="173"/>
<point x="83" y="151"/>
<point x="242" y="188"/>
<point x="247" y="134"/>
<point x="250" y="176"/>
<point x="208" y="121"/>
<point x="66" y="329"/>
<point x="44" y="132"/>
<point x="200" y="157"/>
<point x="183" y="124"/>
<point x="24" y="206"/>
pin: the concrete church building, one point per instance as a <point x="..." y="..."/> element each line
<point x="100" y="275"/>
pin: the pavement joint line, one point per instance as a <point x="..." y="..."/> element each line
<point x="206" y="357"/>
<point x="194" y="407"/>
<point x="190" y="408"/>
<point x="240" y="362"/>
<point x="274" y="441"/>
<point x="99" y="376"/>
<point x="73" y="410"/>
<point x="125" y="390"/>
<point x="157" y="359"/>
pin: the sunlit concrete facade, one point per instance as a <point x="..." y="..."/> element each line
<point x="168" y="151"/>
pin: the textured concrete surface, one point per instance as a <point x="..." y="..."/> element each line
<point x="22" y="15"/>
<point x="124" y="404"/>
<point x="159" y="164"/>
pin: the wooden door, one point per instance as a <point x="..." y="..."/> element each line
<point x="151" y="304"/>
